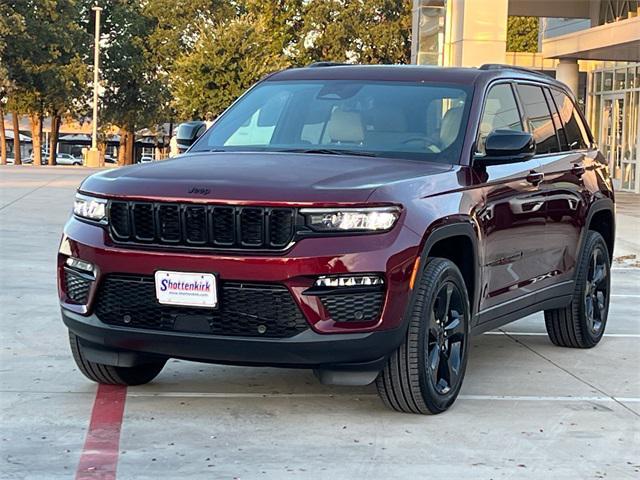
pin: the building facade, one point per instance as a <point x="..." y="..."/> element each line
<point x="591" y="45"/>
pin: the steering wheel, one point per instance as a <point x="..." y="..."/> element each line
<point x="429" y="146"/>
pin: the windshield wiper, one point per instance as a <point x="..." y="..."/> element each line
<point x="330" y="151"/>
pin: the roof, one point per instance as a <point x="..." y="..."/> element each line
<point x="408" y="73"/>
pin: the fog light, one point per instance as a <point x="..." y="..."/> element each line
<point x="345" y="281"/>
<point x="81" y="265"/>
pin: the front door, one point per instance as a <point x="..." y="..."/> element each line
<point x="512" y="216"/>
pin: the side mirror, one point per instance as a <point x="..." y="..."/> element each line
<point x="506" y="146"/>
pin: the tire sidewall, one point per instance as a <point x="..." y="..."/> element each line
<point x="446" y="271"/>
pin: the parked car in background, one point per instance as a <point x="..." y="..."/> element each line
<point x="360" y="221"/>
<point x="67" y="159"/>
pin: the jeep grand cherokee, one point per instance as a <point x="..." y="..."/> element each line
<point x="360" y="221"/>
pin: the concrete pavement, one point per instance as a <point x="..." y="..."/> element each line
<point x="528" y="410"/>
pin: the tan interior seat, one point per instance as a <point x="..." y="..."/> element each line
<point x="345" y="127"/>
<point x="450" y="126"/>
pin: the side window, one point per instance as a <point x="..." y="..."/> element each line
<point x="574" y="129"/>
<point x="562" y="137"/>
<point x="539" y="118"/>
<point x="500" y="113"/>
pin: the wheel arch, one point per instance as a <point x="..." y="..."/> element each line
<point x="457" y="242"/>
<point x="601" y="218"/>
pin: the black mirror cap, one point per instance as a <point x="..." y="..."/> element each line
<point x="507" y="146"/>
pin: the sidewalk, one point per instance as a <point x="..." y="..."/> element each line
<point x="627" y="249"/>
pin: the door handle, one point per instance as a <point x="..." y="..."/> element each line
<point x="534" y="178"/>
<point x="577" y="170"/>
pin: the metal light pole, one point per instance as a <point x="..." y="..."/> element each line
<point x="93" y="159"/>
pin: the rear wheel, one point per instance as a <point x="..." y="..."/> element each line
<point x="582" y="323"/>
<point x="108" y="374"/>
<point x="425" y="374"/>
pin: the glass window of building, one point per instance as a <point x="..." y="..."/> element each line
<point x="500" y="113"/>
<point x="539" y="118"/>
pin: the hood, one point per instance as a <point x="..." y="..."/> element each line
<point x="267" y="177"/>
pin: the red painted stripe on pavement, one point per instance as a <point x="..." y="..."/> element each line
<point x="99" y="459"/>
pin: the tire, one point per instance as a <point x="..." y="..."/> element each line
<point x="582" y="323"/>
<point x="110" y="375"/>
<point x="409" y="383"/>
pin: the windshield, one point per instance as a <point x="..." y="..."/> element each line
<point x="388" y="119"/>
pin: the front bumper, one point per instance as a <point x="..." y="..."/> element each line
<point x="130" y="346"/>
<point x="390" y="254"/>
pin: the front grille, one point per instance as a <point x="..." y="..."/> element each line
<point x="255" y="310"/>
<point x="353" y="307"/>
<point x="77" y="286"/>
<point x="231" y="227"/>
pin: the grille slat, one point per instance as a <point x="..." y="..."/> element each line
<point x="232" y="227"/>
<point x="261" y="310"/>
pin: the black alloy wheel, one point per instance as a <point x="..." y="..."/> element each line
<point x="446" y="339"/>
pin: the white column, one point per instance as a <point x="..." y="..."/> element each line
<point x="567" y="72"/>
<point x="478" y="32"/>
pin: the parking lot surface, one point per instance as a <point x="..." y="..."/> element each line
<point x="528" y="409"/>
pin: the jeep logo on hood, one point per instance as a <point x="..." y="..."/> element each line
<point x="200" y="191"/>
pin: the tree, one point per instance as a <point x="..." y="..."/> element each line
<point x="225" y="61"/>
<point x="43" y="62"/>
<point x="135" y="91"/>
<point x="522" y="34"/>
<point x="4" y="81"/>
<point x="356" y="31"/>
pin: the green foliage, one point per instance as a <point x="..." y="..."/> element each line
<point x="522" y="34"/>
<point x="43" y="54"/>
<point x="267" y="35"/>
<point x="166" y="58"/>
<point x="356" y="31"/>
<point x="225" y="61"/>
<point x="134" y="85"/>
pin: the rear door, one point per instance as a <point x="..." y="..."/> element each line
<point x="511" y="217"/>
<point x="563" y="185"/>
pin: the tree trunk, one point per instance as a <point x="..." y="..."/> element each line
<point x="17" y="157"/>
<point x="122" y="147"/>
<point x="36" y="138"/>
<point x="53" y="145"/>
<point x="131" y="150"/>
<point x="126" y="148"/>
<point x="3" y="140"/>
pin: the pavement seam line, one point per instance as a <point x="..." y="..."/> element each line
<point x="633" y="412"/>
<point x="31" y="191"/>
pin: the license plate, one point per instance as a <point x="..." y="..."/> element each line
<point x="186" y="289"/>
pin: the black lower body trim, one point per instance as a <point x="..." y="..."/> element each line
<point x="305" y="350"/>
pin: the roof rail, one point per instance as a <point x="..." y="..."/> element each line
<point x="500" y="66"/>
<point x="326" y="64"/>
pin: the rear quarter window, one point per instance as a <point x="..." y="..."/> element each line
<point x="574" y="129"/>
<point x="539" y="118"/>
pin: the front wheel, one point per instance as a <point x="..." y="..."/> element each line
<point x="425" y="374"/>
<point x="109" y="374"/>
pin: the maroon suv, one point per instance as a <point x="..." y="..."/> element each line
<point x="361" y="221"/>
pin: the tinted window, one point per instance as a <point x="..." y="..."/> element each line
<point x="500" y="113"/>
<point x="539" y="118"/>
<point x="574" y="129"/>
<point x="562" y="137"/>
<point x="391" y="119"/>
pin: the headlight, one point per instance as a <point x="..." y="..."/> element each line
<point x="351" y="219"/>
<point x="90" y="208"/>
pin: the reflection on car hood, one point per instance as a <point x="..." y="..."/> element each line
<point x="260" y="177"/>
